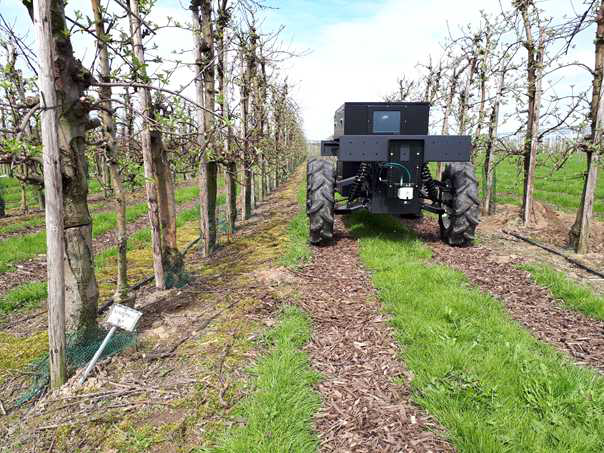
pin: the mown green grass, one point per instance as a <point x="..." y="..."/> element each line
<point x="29" y="295"/>
<point x="11" y="193"/>
<point x="562" y="187"/>
<point x="24" y="296"/>
<point x="298" y="249"/>
<point x="492" y="385"/>
<point x="22" y="225"/>
<point x="572" y="294"/>
<point x="277" y="416"/>
<point x="21" y="248"/>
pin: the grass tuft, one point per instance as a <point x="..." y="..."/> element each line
<point x="573" y="295"/>
<point x="298" y="250"/>
<point x="491" y="384"/>
<point x="23" y="296"/>
<point x="278" y="414"/>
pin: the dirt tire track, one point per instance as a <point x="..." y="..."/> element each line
<point x="363" y="409"/>
<point x="575" y="334"/>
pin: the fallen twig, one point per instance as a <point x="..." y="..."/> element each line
<point x="556" y="252"/>
<point x="52" y="444"/>
<point x="167" y="353"/>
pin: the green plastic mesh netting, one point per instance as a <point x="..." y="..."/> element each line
<point x="79" y="351"/>
<point x="80" y="348"/>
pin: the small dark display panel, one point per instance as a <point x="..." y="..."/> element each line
<point x="386" y="122"/>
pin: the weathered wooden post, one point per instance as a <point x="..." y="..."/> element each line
<point x="54" y="195"/>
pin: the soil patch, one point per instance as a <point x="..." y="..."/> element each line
<point x="551" y="227"/>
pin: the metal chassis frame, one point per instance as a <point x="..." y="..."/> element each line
<point x="374" y="148"/>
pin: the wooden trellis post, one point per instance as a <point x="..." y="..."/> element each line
<point x="54" y="195"/>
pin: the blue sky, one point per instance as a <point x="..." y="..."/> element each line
<point x="356" y="49"/>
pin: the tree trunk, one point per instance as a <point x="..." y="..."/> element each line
<point x="445" y="128"/>
<point x="484" y="57"/>
<point x="52" y="183"/>
<point x="489" y="164"/>
<point x="173" y="261"/>
<point x="264" y="180"/>
<point x="110" y="160"/>
<point x="534" y="78"/>
<point x="204" y="83"/>
<point x="231" y="188"/>
<point x="149" y="170"/>
<point x="23" y="192"/>
<point x="464" y="97"/>
<point x="71" y="82"/>
<point x="230" y="173"/>
<point x="41" y="197"/>
<point x="2" y="204"/>
<point x="246" y="190"/>
<point x="581" y="229"/>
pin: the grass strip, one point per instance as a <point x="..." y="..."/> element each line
<point x="491" y="384"/>
<point x="29" y="295"/>
<point x="18" y="249"/>
<point x="574" y="295"/>
<point x="22" y="225"/>
<point x="298" y="250"/>
<point x="561" y="187"/>
<point x="278" y="413"/>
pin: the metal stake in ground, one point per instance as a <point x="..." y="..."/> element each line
<point x="121" y="317"/>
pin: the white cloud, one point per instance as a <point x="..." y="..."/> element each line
<point x="360" y="60"/>
<point x="351" y="59"/>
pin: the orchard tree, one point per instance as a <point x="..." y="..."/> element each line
<point x="72" y="81"/>
<point x="581" y="230"/>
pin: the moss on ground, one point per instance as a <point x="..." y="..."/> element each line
<point x="17" y="352"/>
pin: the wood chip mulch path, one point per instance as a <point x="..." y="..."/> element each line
<point x="364" y="388"/>
<point x="528" y="303"/>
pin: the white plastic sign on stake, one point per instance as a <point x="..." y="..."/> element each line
<point x="121" y="317"/>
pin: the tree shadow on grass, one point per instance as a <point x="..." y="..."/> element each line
<point x="364" y="225"/>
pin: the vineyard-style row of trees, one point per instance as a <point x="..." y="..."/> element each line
<point x="120" y="115"/>
<point x="503" y="81"/>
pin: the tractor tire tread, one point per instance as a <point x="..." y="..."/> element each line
<point x="320" y="200"/>
<point x="466" y="205"/>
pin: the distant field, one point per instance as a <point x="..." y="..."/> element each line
<point x="11" y="193"/>
<point x="561" y="187"/>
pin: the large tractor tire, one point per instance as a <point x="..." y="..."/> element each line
<point x="458" y="224"/>
<point x="320" y="200"/>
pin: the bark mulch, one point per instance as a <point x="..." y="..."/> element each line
<point x="365" y="390"/>
<point x="531" y="305"/>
